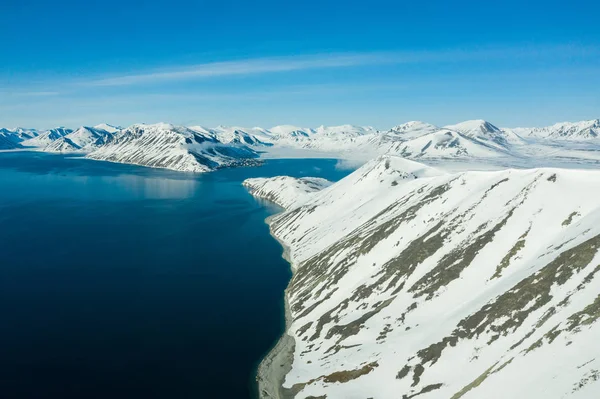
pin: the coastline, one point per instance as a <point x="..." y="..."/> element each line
<point x="278" y="362"/>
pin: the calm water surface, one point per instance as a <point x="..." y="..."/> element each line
<point x="125" y="282"/>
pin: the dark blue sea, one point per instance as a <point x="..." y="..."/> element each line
<point x="119" y="281"/>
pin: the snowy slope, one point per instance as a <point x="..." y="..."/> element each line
<point x="108" y="128"/>
<point x="475" y="144"/>
<point x="84" y="139"/>
<point x="62" y="145"/>
<point x="284" y="190"/>
<point x="8" y="140"/>
<point x="88" y="138"/>
<point x="413" y="130"/>
<point x="583" y="130"/>
<point x="409" y="281"/>
<point x="487" y="133"/>
<point x="173" y="147"/>
<point x="12" y="138"/>
<point x="444" y="143"/>
<point x="323" y="138"/>
<point x="46" y="137"/>
<point x="237" y="135"/>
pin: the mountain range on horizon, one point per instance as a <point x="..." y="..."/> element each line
<point x="201" y="149"/>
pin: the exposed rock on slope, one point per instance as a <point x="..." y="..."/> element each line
<point x="47" y="137"/>
<point x="286" y="191"/>
<point x="172" y="147"/>
<point x="6" y="140"/>
<point x="84" y="139"/>
<point x="485" y="132"/>
<point x="583" y="130"/>
<point x="411" y="282"/>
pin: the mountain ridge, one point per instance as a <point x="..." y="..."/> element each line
<point x="382" y="302"/>
<point x="476" y="141"/>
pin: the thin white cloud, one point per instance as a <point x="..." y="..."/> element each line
<point x="246" y="67"/>
<point x="337" y="60"/>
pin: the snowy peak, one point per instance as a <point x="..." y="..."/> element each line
<point x="474" y="127"/>
<point x="107" y="128"/>
<point x="487" y="133"/>
<point x="163" y="145"/>
<point x="238" y="135"/>
<point x="576" y="131"/>
<point x="84" y="139"/>
<point x="63" y="144"/>
<point x="46" y="137"/>
<point x="345" y="130"/>
<point x="394" y="169"/>
<point x="8" y="141"/>
<point x="413" y="129"/>
<point x="445" y="144"/>
<point x="291" y="132"/>
<point x="89" y="137"/>
<point x="12" y="138"/>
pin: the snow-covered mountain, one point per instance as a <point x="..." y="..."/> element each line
<point x="413" y="282"/>
<point x="173" y="147"/>
<point x="7" y="141"/>
<point x="84" y="139"/>
<point x="412" y="130"/>
<point x="107" y="127"/>
<point x="286" y="191"/>
<point x="256" y="136"/>
<point x="443" y="144"/>
<point x="419" y="140"/>
<point x="12" y="138"/>
<point x="485" y="132"/>
<point x="46" y="137"/>
<point x="323" y="138"/>
<point x="583" y="130"/>
<point x="464" y="144"/>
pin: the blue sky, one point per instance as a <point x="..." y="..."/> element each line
<point x="514" y="63"/>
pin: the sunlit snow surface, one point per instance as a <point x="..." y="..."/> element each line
<point x="202" y="149"/>
<point x="416" y="280"/>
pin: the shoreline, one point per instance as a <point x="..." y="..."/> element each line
<point x="278" y="362"/>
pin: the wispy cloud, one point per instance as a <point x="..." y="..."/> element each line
<point x="246" y="67"/>
<point x="336" y="60"/>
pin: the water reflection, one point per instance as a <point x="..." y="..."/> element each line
<point x="154" y="188"/>
<point x="54" y="177"/>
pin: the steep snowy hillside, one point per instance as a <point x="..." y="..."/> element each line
<point x="84" y="139"/>
<point x="108" y="128"/>
<point x="46" y="137"/>
<point x="19" y="134"/>
<point x="413" y="130"/>
<point x="289" y="133"/>
<point x="173" y="147"/>
<point x="583" y="130"/>
<point x="442" y="144"/>
<point x="324" y="138"/>
<point x="411" y="282"/>
<point x="286" y="191"/>
<point x="237" y="135"/>
<point x="12" y="138"/>
<point x="487" y="133"/>
<point x="475" y="144"/>
<point x="7" y="140"/>
<point x="344" y="130"/>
